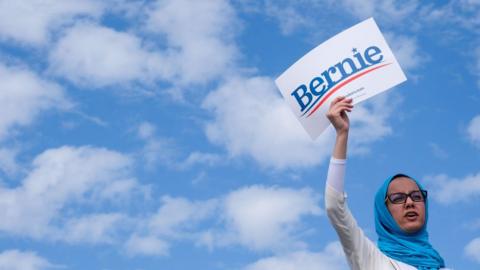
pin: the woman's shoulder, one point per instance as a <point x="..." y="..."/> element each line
<point x="403" y="266"/>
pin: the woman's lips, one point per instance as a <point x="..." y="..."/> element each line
<point x="411" y="215"/>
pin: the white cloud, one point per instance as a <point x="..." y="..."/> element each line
<point x="195" y="158"/>
<point x="331" y="257"/>
<point x="164" y="151"/>
<point x="296" y="14"/>
<point x="176" y="219"/>
<point x="94" y="229"/>
<point x="406" y="50"/>
<point x="187" y="43"/>
<point x="23" y="95"/>
<point x="293" y="15"/>
<point x="98" y="56"/>
<point x="148" y="246"/>
<point x="473" y="130"/>
<point x="259" y="218"/>
<point x="22" y="260"/>
<point x="287" y="15"/>
<point x="31" y="21"/>
<point x="386" y="10"/>
<point x="199" y="36"/>
<point x="59" y="178"/>
<point x="460" y="13"/>
<point x="446" y="190"/>
<point x="8" y="163"/>
<point x="121" y="189"/>
<point x="369" y="121"/>
<point x="157" y="150"/>
<point x="146" y="130"/>
<point x="178" y="215"/>
<point x="472" y="250"/>
<point x="251" y="119"/>
<point x="266" y="218"/>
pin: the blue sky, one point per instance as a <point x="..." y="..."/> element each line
<point x="150" y="135"/>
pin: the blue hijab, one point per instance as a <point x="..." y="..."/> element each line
<point x="411" y="248"/>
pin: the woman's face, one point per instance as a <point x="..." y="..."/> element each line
<point x="410" y="216"/>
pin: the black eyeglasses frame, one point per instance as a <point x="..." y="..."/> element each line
<point x="424" y="196"/>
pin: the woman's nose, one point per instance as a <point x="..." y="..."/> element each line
<point x="409" y="202"/>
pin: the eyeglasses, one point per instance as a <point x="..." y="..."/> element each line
<point x="398" y="198"/>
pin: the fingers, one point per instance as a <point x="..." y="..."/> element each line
<point x="337" y="100"/>
<point x="338" y="109"/>
<point x="340" y="101"/>
<point x="338" y="106"/>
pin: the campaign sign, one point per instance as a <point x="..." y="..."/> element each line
<point x="356" y="63"/>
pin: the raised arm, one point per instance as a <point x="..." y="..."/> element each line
<point x="361" y="253"/>
<point x="337" y="114"/>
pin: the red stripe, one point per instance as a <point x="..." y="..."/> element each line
<point x="342" y="85"/>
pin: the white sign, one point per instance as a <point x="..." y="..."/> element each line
<point x="356" y="63"/>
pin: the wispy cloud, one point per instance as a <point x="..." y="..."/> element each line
<point x="157" y="150"/>
<point x="199" y="37"/>
<point x="473" y="130"/>
<point x="267" y="218"/>
<point x="97" y="56"/>
<point x="59" y="178"/>
<point x="165" y="151"/>
<point x="407" y="51"/>
<point x="462" y="13"/>
<point x="288" y="16"/>
<point x="438" y="151"/>
<point x="23" y="260"/>
<point x="32" y="23"/>
<point x="93" y="228"/>
<point x="257" y="217"/>
<point x="8" y="162"/>
<point x="24" y="95"/>
<point x="472" y="249"/>
<point x="331" y="257"/>
<point x="169" y="45"/>
<point x="177" y="219"/>
<point x="298" y="15"/>
<point x="389" y="11"/>
<point x="446" y="189"/>
<point x="146" y="246"/>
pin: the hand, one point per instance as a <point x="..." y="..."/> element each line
<point x="337" y="114"/>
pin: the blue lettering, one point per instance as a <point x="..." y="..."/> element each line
<point x="300" y="97"/>
<point x="326" y="74"/>
<point x="341" y="66"/>
<point x="371" y="52"/>
<point x="315" y="83"/>
<point x="320" y="85"/>
<point x="360" y="59"/>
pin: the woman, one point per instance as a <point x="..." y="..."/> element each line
<point x="401" y="213"/>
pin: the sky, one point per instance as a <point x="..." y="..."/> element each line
<point x="140" y="135"/>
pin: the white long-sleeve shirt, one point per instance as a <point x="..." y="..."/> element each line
<point x="361" y="252"/>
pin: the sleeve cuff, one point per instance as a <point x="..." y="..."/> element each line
<point x="338" y="161"/>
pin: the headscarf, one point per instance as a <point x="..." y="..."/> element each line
<point x="411" y="248"/>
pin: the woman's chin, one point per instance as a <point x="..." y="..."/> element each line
<point x="412" y="227"/>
